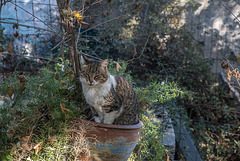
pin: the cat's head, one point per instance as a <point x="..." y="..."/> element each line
<point x="93" y="73"/>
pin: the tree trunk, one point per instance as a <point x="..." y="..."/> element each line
<point x="72" y="44"/>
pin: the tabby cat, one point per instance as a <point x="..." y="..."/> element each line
<point x="111" y="97"/>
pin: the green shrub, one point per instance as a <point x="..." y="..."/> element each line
<point x="149" y="146"/>
<point x="39" y="110"/>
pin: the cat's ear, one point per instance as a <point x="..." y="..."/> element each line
<point x="104" y="63"/>
<point x="84" y="59"/>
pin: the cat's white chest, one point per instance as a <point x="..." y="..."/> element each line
<point x="95" y="95"/>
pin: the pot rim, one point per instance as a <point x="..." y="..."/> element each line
<point x="112" y="126"/>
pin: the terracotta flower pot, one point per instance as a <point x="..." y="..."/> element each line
<point x="111" y="142"/>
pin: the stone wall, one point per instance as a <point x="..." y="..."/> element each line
<point x="215" y="25"/>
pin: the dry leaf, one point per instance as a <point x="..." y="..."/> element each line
<point x="62" y="105"/>
<point x="175" y="20"/>
<point x="10" y="93"/>
<point x="37" y="145"/>
<point x="11" y="47"/>
<point x="140" y="7"/>
<point x="167" y="158"/>
<point x="10" y="128"/>
<point x="224" y="66"/>
<point x="118" y="67"/>
<point x="16" y="34"/>
<point x="15" y="26"/>
<point x="22" y="78"/>
<point x="229" y="74"/>
<point x="10" y="135"/>
<point x="26" y="146"/>
<point x="38" y="149"/>
<point x="39" y="87"/>
<point x="26" y="139"/>
<point x="84" y="156"/>
<point x="22" y="88"/>
<point x="52" y="138"/>
<point x="91" y="18"/>
<point x="156" y="139"/>
<point x="84" y="24"/>
<point x="71" y="75"/>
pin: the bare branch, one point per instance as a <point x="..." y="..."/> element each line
<point x="142" y="50"/>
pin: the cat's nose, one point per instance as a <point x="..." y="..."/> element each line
<point x="90" y="83"/>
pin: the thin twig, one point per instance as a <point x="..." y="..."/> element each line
<point x="65" y="39"/>
<point x="90" y="56"/>
<point x="26" y="26"/>
<point x="101" y="24"/>
<point x="34" y="57"/>
<point x="94" y="3"/>
<point x="62" y="51"/>
<point x="142" y="50"/>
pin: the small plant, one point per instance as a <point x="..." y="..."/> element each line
<point x="158" y="92"/>
<point x="149" y="146"/>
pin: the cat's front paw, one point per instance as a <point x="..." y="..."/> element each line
<point x="97" y="119"/>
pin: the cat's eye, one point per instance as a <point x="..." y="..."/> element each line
<point x="84" y="74"/>
<point x="97" y="77"/>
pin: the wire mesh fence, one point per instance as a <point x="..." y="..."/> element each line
<point x="28" y="28"/>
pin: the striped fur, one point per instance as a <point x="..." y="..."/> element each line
<point x="111" y="97"/>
